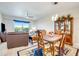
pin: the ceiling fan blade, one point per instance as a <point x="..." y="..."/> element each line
<point x="30" y="16"/>
<point x="27" y="13"/>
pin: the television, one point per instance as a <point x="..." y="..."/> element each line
<point x="2" y="27"/>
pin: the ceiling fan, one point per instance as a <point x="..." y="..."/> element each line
<point x="29" y="16"/>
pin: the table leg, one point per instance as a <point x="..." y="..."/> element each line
<point x="52" y="48"/>
<point x="77" y="52"/>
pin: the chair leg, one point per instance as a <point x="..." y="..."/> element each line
<point x="77" y="52"/>
<point x="61" y="52"/>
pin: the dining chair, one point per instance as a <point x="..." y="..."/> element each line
<point x="41" y="43"/>
<point x="60" y="48"/>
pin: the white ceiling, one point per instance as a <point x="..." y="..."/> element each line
<point x="36" y="9"/>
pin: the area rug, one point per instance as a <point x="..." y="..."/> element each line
<point x="69" y="51"/>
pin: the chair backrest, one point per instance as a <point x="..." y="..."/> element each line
<point x="40" y="40"/>
<point x="58" y="32"/>
<point x="62" y="41"/>
<point x="43" y="32"/>
<point x="50" y="33"/>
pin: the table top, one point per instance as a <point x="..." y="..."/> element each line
<point x="52" y="38"/>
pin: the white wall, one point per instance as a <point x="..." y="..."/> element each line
<point x="33" y="23"/>
<point x="76" y="32"/>
<point x="46" y="23"/>
<point x="0" y="21"/>
<point x="9" y="23"/>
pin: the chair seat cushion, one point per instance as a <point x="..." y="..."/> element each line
<point x="38" y="52"/>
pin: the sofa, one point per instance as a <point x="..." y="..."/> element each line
<point x="15" y="39"/>
<point x="3" y="37"/>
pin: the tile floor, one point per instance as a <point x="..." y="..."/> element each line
<point x="4" y="51"/>
<point x="13" y="52"/>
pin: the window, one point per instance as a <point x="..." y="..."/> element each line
<point x="21" y="26"/>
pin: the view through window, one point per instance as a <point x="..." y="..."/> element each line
<point x="21" y="26"/>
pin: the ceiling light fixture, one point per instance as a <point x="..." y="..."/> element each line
<point x="54" y="3"/>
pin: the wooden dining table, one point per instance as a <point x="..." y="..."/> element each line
<point x="51" y="39"/>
